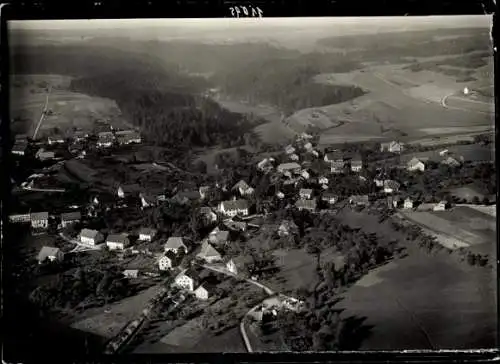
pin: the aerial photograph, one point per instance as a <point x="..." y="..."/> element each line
<point x="251" y="185"/>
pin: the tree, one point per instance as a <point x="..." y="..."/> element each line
<point x="201" y="167"/>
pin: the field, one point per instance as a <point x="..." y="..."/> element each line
<point x="66" y="110"/>
<point x="470" y="152"/>
<point x="423" y="301"/>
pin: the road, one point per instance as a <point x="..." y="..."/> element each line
<point x="79" y="246"/>
<point x="444" y="103"/>
<point x="44" y="112"/>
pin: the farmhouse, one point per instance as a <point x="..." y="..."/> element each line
<point x="289" y="167"/>
<point x="408" y="204"/>
<point x="360" y="200"/>
<point x="392" y="147"/>
<point x="39" y="220"/>
<point x="208" y="253"/>
<point x="90" y="237"/>
<point x="243" y="188"/>
<point x="117" y="241"/>
<point x="44" y="155"/>
<point x="69" y="218"/>
<point x="415" y="164"/>
<point x="128" y="137"/>
<point x="391" y="186"/>
<point x="334" y="156"/>
<point x="329" y="198"/>
<point x="337" y="166"/>
<point x="147" y="234"/>
<point x="19" y="148"/>
<point x="167" y="261"/>
<point x="176" y="245"/>
<point x="303" y="204"/>
<point x="234" y="207"/>
<point x="131" y="273"/>
<point x="218" y="237"/>
<point x="441" y="206"/>
<point x="305" y="193"/>
<point x="187" y="280"/>
<point x="105" y="139"/>
<point x="51" y="254"/>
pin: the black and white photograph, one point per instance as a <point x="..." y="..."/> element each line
<point x="251" y="185"/>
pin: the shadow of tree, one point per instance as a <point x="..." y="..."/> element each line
<point x="354" y="332"/>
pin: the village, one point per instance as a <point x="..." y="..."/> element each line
<point x="304" y="178"/>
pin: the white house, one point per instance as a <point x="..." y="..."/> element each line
<point x="243" y="188"/>
<point x="305" y="193"/>
<point x="234" y="207"/>
<point x="39" y="220"/>
<point x="201" y="293"/>
<point x="287" y="227"/>
<point x="334" y="156"/>
<point x="280" y="195"/>
<point x="415" y="164"/>
<point x="392" y="147"/>
<point x="117" y="241"/>
<point x="50" y="253"/>
<point x="69" y="218"/>
<point x="55" y="139"/>
<point x="294" y="157"/>
<point x="408" y="204"/>
<point x="146" y="200"/>
<point x="44" y="155"/>
<point x="441" y="206"/>
<point x="167" y="261"/>
<point x="451" y="162"/>
<point x="443" y="152"/>
<point x="308" y="146"/>
<point x="289" y="149"/>
<point x="131" y="273"/>
<point x="19" y="218"/>
<point x="186" y="280"/>
<point x="356" y="165"/>
<point x="147" y="234"/>
<point x="175" y="244"/>
<point x="305" y="174"/>
<point x="105" y="139"/>
<point x="218" y="236"/>
<point x="90" y="237"/>
<point x="337" y="166"/>
<point x="204" y="191"/>
<point x="120" y="192"/>
<point x="231" y="266"/>
<point x="323" y="180"/>
<point x="303" y="204"/>
<point x="208" y="253"/>
<point x="329" y="198"/>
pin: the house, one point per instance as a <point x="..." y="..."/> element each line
<point x="185" y="197"/>
<point x="379" y="181"/>
<point x="443" y="152"/>
<point x="131" y="273"/>
<point x="323" y="180"/>
<point x="90" y="237"/>
<point x="294" y="157"/>
<point x="105" y="139"/>
<point x="305" y="193"/>
<point x="55" y="139"/>
<point x="235" y="225"/>
<point x="167" y="261"/>
<point x="305" y="174"/>
<point x="161" y="198"/>
<point x="50" y="253"/>
<point x="70" y="218"/>
<point x="289" y="149"/>
<point x="208" y="215"/>
<point x="393" y="202"/>
<point x="208" y="253"/>
<point x="39" y="220"/>
<point x="230" y="265"/>
<point x="287" y="228"/>
<point x="20" y="218"/>
<point x="360" y="200"/>
<point x="120" y="192"/>
<point x="303" y="204"/>
<point x="117" y="241"/>
<point x="391" y="186"/>
<point x="292" y="167"/>
<point x="308" y="146"/>
<point x="408" y="204"/>
<point x="44" y="155"/>
<point x="356" y="165"/>
<point x="19" y="148"/>
<point x="329" y="198"/>
<point x="234" y="207"/>
<point x="201" y="293"/>
<point x="204" y="191"/>
<point x="218" y="237"/>
<point x="147" y="234"/>
<point x="334" y="156"/>
<point x="175" y="244"/>
<point x="79" y="136"/>
<point x="128" y="137"/>
<point x="147" y="200"/>
<point x="304" y="136"/>
<point x="441" y="206"/>
<point x="188" y="279"/>
<point x="415" y="164"/>
<point x="280" y="195"/>
<point x="243" y="188"/>
<point x="337" y="166"/>
<point x="265" y="165"/>
<point x="451" y="162"/>
<point x="392" y="147"/>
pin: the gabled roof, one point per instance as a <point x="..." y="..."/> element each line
<point x="207" y="250"/>
<point x="117" y="238"/>
<point x="414" y="161"/>
<point x="359" y="198"/>
<point x="241" y="184"/>
<point x="71" y="216"/>
<point x="287" y="166"/>
<point x="88" y="233"/>
<point x="46" y="252"/>
<point x="288" y="224"/>
<point x="235" y="205"/>
<point x="147" y="231"/>
<point x="39" y="215"/>
<point x="306" y="204"/>
<point x="329" y="195"/>
<point x="306" y="191"/>
<point x="175" y="243"/>
<point x="219" y="235"/>
<point x="389" y="183"/>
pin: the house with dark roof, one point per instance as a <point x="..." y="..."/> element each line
<point x="19" y="147"/>
<point x="243" y="188"/>
<point x="391" y="186"/>
<point x="50" y="254"/>
<point x="39" y="220"/>
<point x="329" y="198"/>
<point x="117" y="241"/>
<point x="69" y="218"/>
<point x="188" y="279"/>
<point x="147" y="234"/>
<point x="287" y="228"/>
<point x="91" y="237"/>
<point x="392" y="147"/>
<point x="234" y="207"/>
<point x="337" y="166"/>
<point x="218" y="237"/>
<point x="207" y="214"/>
<point x="175" y="244"/>
<point x="334" y="156"/>
<point x="305" y="193"/>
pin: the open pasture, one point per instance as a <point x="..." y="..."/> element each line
<point x="470" y="152"/>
